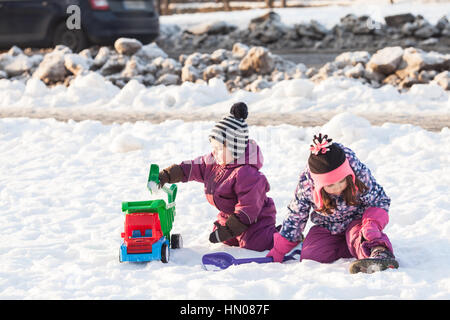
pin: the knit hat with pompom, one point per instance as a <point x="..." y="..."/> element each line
<point x="327" y="164"/>
<point x="233" y="130"/>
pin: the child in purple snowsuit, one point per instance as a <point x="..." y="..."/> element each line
<point x="233" y="184"/>
<point x="350" y="211"/>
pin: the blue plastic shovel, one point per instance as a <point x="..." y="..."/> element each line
<point x="222" y="260"/>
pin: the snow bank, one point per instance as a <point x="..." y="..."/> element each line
<point x="62" y="184"/>
<point x="92" y="93"/>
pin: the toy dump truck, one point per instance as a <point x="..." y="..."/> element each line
<point x="148" y="224"/>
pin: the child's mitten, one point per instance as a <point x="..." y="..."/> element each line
<point x="281" y="246"/>
<point x="373" y="222"/>
<point x="232" y="228"/>
<point x="172" y="174"/>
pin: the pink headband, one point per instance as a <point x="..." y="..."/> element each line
<point x="324" y="179"/>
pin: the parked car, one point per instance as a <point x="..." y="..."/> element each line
<point x="43" y="23"/>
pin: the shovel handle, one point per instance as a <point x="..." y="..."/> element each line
<point x="267" y="259"/>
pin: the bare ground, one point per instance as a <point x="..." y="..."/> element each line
<point x="430" y="122"/>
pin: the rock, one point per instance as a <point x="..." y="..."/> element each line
<point x="409" y="28"/>
<point x="443" y="79"/>
<point x="281" y="64"/>
<point x="396" y="21"/>
<point x="417" y="59"/>
<point x="220" y="55"/>
<point x="14" y="51"/>
<point x="258" y="85"/>
<point x="269" y="16"/>
<point x="268" y="32"/>
<point x="3" y="75"/>
<point x="429" y="42"/>
<point x="150" y="51"/>
<point x="410" y="80"/>
<point x="148" y="79"/>
<point x="167" y="65"/>
<point x="386" y="60"/>
<point x="426" y="31"/>
<point x="357" y="25"/>
<point x="168" y="79"/>
<point x="427" y="75"/>
<point x="52" y="68"/>
<point x="348" y="22"/>
<point x="101" y="57"/>
<point x="127" y="46"/>
<point x="219" y="27"/>
<point x="213" y="71"/>
<point x="5" y="59"/>
<point x="308" y="30"/>
<point x="21" y="63"/>
<point x="319" y="28"/>
<point x="373" y="76"/>
<point x="357" y="71"/>
<point x="193" y="59"/>
<point x="132" y="69"/>
<point x="442" y="23"/>
<point x="190" y="73"/>
<point x="311" y="72"/>
<point x="267" y="28"/>
<point x="86" y="53"/>
<point x="77" y="64"/>
<point x="392" y="79"/>
<point x="115" y="64"/>
<point x="239" y="50"/>
<point x="257" y="59"/>
<point x="353" y="58"/>
<point x="231" y="67"/>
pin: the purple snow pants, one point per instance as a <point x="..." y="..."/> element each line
<point x="322" y="246"/>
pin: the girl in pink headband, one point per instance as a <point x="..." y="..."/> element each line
<point x="348" y="208"/>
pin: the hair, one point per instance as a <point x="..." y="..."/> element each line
<point x="349" y="194"/>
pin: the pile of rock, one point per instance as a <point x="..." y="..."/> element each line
<point x="150" y="65"/>
<point x="399" y="67"/>
<point x="250" y="68"/>
<point x="352" y="32"/>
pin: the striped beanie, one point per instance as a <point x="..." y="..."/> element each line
<point x="233" y="130"/>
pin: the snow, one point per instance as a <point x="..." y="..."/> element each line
<point x="328" y="16"/>
<point x="92" y="93"/>
<point x="62" y="184"/>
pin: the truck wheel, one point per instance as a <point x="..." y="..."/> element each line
<point x="76" y="40"/>
<point x="176" y="241"/>
<point x="165" y="253"/>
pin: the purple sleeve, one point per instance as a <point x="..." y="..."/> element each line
<point x="194" y="170"/>
<point x="250" y="187"/>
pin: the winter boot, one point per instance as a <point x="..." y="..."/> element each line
<point x="380" y="259"/>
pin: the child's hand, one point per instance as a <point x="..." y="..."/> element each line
<point x="163" y="178"/>
<point x="373" y="222"/>
<point x="281" y="246"/>
<point x="172" y="174"/>
<point x="222" y="233"/>
<point x="232" y="228"/>
<point x="276" y="255"/>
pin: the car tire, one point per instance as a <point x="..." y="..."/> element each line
<point x="76" y="40"/>
<point x="165" y="253"/>
<point x="176" y="241"/>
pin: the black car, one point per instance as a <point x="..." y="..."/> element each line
<point x="76" y="23"/>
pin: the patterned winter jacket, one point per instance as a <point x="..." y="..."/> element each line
<point x="299" y="208"/>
